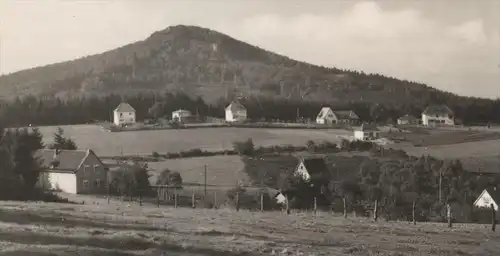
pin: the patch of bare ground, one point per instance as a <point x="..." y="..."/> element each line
<point x="128" y="229"/>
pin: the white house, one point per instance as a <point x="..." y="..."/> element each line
<point x="72" y="171"/>
<point x="435" y="115"/>
<point x="124" y="114"/>
<point x="488" y="197"/>
<point x="367" y="132"/>
<point x="327" y="116"/>
<point x="236" y="112"/>
<point x="181" y="115"/>
<point x="408" y="120"/>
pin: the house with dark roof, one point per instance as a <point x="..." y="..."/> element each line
<point x="408" y="120"/>
<point x="367" y="132"/>
<point x="436" y="115"/>
<point x="72" y="171"/>
<point x="236" y="112"/>
<point x="123" y="114"/>
<point x="328" y="116"/>
<point x="487" y="198"/>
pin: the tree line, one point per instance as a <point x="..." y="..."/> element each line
<point x="56" y="111"/>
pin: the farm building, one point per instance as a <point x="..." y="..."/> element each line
<point x="367" y="132"/>
<point x="435" y="115"/>
<point x="72" y="171"/>
<point x="236" y="112"/>
<point x="182" y="115"/>
<point x="408" y="120"/>
<point x="328" y="116"/>
<point x="488" y="197"/>
<point x="123" y="114"/>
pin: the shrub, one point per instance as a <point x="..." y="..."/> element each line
<point x="155" y="154"/>
<point x="244" y="147"/>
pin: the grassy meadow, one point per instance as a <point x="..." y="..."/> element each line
<point x="144" y="142"/>
<point x="221" y="170"/>
<point x="97" y="228"/>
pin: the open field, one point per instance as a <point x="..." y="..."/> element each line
<point x="118" y="229"/>
<point x="221" y="170"/>
<point x="427" y="137"/>
<point x="144" y="142"/>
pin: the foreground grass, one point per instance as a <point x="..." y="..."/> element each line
<point x="97" y="228"/>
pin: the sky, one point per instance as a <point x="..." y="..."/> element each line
<point x="452" y="45"/>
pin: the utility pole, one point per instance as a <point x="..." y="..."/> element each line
<point x="205" y="181"/>
<point x="440" y="186"/>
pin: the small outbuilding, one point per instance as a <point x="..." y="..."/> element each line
<point x="367" y="132"/>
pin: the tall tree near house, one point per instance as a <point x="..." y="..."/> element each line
<point x="25" y="164"/>
<point x="156" y="111"/>
<point x="61" y="142"/>
<point x="59" y="139"/>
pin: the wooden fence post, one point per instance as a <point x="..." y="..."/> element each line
<point x="448" y="214"/>
<point x="175" y="198"/>
<point x="107" y="191"/>
<point x="261" y="201"/>
<point x="237" y="201"/>
<point x="315" y="205"/>
<point x="413" y="213"/>
<point x="345" y="207"/>
<point x="158" y="197"/>
<point x="193" y="200"/>
<point x="287" y="205"/>
<point x="493" y="218"/>
<point x="375" y="213"/>
<point x="215" y="200"/>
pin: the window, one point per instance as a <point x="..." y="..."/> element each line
<point x="85" y="183"/>
<point x="98" y="183"/>
<point x="85" y="167"/>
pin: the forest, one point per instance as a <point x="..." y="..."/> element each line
<point x="31" y="110"/>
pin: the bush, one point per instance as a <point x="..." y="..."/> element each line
<point x="244" y="147"/>
<point x="155" y="154"/>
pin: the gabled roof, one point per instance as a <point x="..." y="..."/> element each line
<point x="495" y="194"/>
<point x="124" y="107"/>
<point x="68" y="160"/>
<point x="323" y="112"/>
<point x="235" y="106"/>
<point x="345" y="114"/>
<point x="315" y="166"/>
<point x="182" y="110"/>
<point x="340" y="114"/>
<point x="368" y="127"/>
<point x="408" y="118"/>
<point x="437" y="110"/>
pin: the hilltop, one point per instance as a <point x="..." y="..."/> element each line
<point x="206" y="63"/>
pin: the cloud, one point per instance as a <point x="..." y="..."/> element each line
<point x="401" y="43"/>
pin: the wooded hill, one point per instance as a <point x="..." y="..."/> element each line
<point x="203" y="62"/>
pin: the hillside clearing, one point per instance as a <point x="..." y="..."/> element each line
<point x="147" y="230"/>
<point x="144" y="142"/>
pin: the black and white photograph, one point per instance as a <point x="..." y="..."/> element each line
<point x="249" y="127"/>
